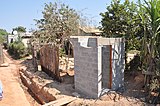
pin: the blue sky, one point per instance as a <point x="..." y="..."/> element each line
<point x="15" y="13"/>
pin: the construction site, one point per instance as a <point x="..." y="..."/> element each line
<point x="94" y="76"/>
<point x="80" y="53"/>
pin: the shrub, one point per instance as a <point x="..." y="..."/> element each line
<point x="17" y="49"/>
<point x="135" y="63"/>
<point x="62" y="52"/>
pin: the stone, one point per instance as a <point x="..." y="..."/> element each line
<point x="23" y="68"/>
<point x="143" y="99"/>
<point x="76" y="94"/>
<point x="4" y="65"/>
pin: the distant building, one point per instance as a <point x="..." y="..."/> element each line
<point x="11" y="38"/>
<point x="83" y="31"/>
<point x="25" y="37"/>
<point x="89" y="31"/>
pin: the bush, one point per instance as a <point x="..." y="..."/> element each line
<point x="62" y="52"/>
<point x="135" y="63"/>
<point x="5" y="45"/>
<point x="17" y="50"/>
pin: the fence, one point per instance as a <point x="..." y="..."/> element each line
<point x="49" y="60"/>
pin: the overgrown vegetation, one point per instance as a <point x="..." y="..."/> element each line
<point x="17" y="49"/>
<point x="139" y="24"/>
<point x="3" y="35"/>
<point x="20" y="29"/>
<point x="58" y="23"/>
<point x="122" y="20"/>
<point x="150" y="53"/>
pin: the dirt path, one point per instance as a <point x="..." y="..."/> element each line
<point x="13" y="92"/>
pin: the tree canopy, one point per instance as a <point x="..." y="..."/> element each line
<point x="139" y="24"/>
<point x="121" y="19"/>
<point x="3" y="33"/>
<point x="58" y="23"/>
<point x="20" y="29"/>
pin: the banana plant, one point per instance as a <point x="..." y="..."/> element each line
<point x="150" y="53"/>
<point x="150" y="16"/>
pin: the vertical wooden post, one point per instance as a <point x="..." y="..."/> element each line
<point x="34" y="53"/>
<point x="57" y="62"/>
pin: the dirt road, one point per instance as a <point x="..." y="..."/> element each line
<point x="13" y="92"/>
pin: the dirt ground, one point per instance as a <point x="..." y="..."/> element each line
<point x="131" y="95"/>
<point x="13" y="92"/>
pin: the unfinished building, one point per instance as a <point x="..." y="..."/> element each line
<point x="98" y="63"/>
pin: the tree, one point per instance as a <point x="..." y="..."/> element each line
<point x="58" y="23"/>
<point x="20" y="29"/>
<point x="114" y="20"/>
<point x="3" y="33"/>
<point x="140" y="21"/>
<point x="122" y="20"/>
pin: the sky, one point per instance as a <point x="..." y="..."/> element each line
<point x="15" y="13"/>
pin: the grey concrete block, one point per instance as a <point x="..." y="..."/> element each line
<point x="92" y="42"/>
<point x="92" y="65"/>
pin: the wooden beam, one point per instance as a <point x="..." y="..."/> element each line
<point x="60" y="102"/>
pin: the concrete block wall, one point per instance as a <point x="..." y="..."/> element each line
<point x="96" y="67"/>
<point x="86" y="68"/>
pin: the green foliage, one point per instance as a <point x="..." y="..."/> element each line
<point x="3" y="34"/>
<point x="151" y="38"/>
<point x="122" y="20"/>
<point x="113" y="20"/>
<point x="134" y="64"/>
<point x="20" y="29"/>
<point x="58" y="23"/>
<point x="17" y="49"/>
<point x="150" y="53"/>
<point x="61" y="52"/>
